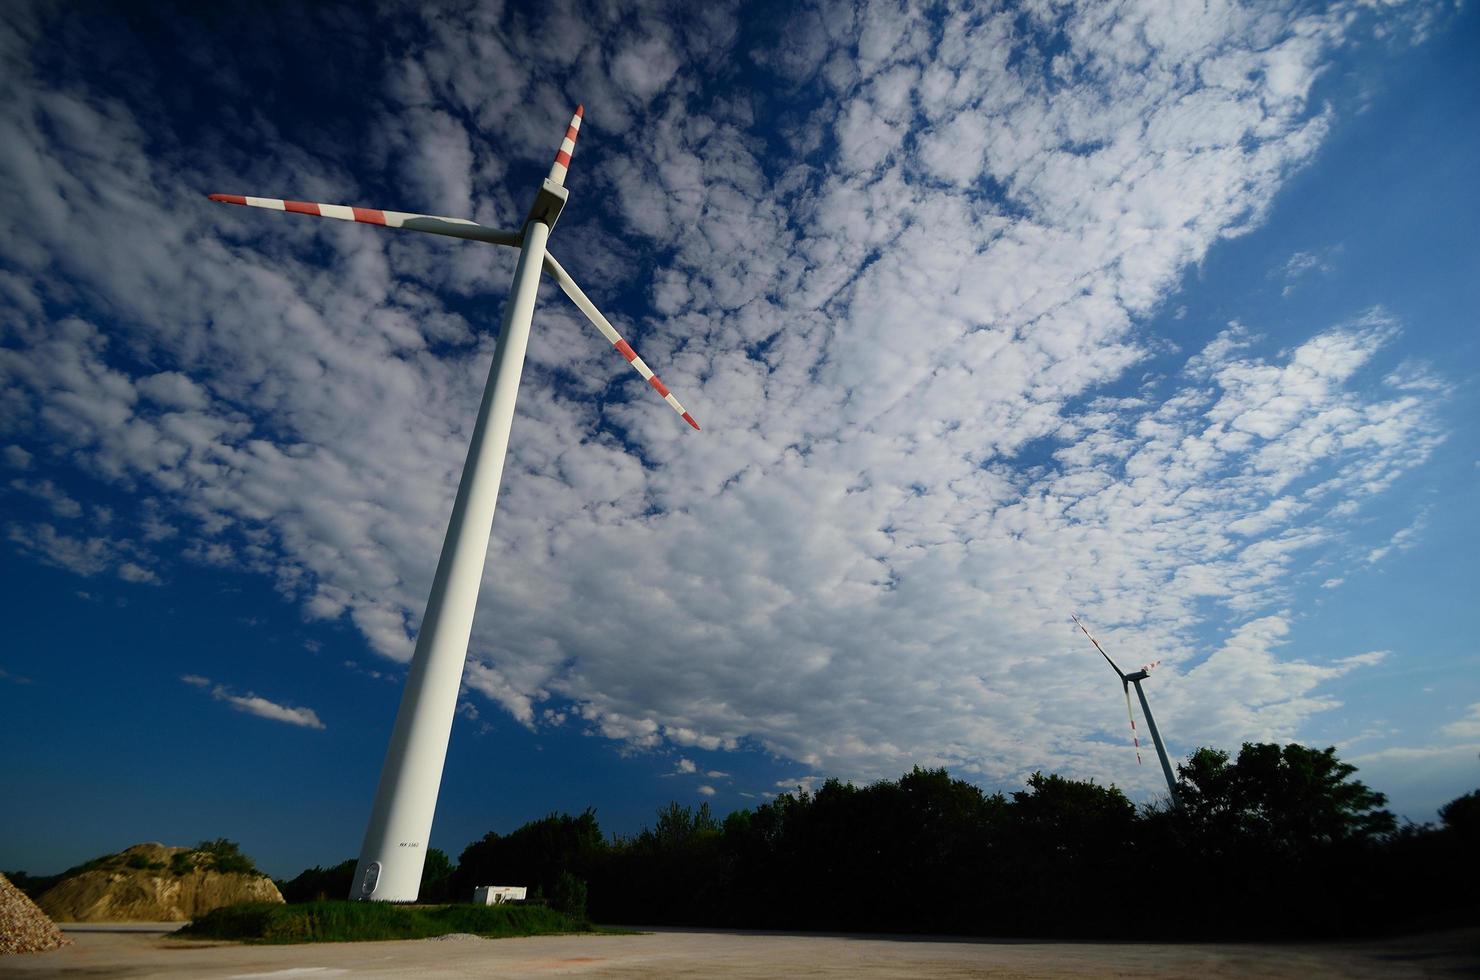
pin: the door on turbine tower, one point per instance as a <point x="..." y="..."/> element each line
<point x="372" y="876"/>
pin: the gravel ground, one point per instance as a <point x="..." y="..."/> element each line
<point x="694" y="953"/>
<point x="24" y="928"/>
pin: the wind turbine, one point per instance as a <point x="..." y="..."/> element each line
<point x="395" y="845"/>
<point x="1126" y="680"/>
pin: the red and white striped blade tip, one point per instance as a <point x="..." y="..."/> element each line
<point x="625" y="349"/>
<point x="561" y="166"/>
<point x="366" y="216"/>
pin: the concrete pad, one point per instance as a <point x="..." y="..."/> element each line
<point x="731" y="954"/>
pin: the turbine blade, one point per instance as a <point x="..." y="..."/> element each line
<point x="1120" y="673"/>
<point x="610" y="333"/>
<point x="567" y="147"/>
<point x="1134" y="737"/>
<point x="430" y="223"/>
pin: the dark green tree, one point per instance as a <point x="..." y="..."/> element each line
<point x="1461" y="815"/>
<point x="1070" y="815"/>
<point x="317" y="884"/>
<point x="1284" y="798"/>
<point x="1461" y="818"/>
<point x="534" y="855"/>
<point x="677" y="825"/>
<point x="569" y="896"/>
<point x="1278" y="841"/>
<point x="669" y="872"/>
<point x="436" y="878"/>
<point x="1067" y="848"/>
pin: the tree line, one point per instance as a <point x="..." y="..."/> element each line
<point x="1278" y="841"/>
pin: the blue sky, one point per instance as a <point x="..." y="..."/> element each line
<point x="1158" y="314"/>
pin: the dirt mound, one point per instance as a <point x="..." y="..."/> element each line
<point x="155" y="883"/>
<point x="24" y="928"/>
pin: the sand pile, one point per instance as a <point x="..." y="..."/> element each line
<point x="153" y="883"/>
<point x="24" y="928"/>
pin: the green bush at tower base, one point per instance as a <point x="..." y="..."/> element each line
<point x="343" y="922"/>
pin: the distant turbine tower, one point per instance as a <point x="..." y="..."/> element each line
<point x="1126" y="680"/>
<point x="395" y="845"/>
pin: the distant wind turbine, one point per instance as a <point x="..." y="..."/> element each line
<point x="395" y="846"/>
<point x="1126" y="680"/>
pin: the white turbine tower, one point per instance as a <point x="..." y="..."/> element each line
<point x="395" y="844"/>
<point x="1126" y="680"/>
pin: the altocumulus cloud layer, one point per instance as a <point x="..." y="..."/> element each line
<point x="897" y="273"/>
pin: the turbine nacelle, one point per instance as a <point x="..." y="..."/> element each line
<point x="548" y="204"/>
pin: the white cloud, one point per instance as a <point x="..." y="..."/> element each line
<point x="706" y="791"/>
<point x="492" y="684"/>
<point x="86" y="556"/>
<point x="1401" y="539"/>
<point x="645" y="67"/>
<point x="132" y="572"/>
<point x="61" y="504"/>
<point x="263" y="708"/>
<point x="803" y="784"/>
<point x="174" y="390"/>
<point x="254" y="705"/>
<point x="945" y="260"/>
<point x="1244" y="691"/>
<point x="1466" y="727"/>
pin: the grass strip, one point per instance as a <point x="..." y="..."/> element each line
<point x="348" y="922"/>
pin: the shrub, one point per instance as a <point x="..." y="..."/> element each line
<point x="249" y="920"/>
<point x="569" y="896"/>
<point x="345" y="921"/>
<point x="318" y="884"/>
<point x="226" y="857"/>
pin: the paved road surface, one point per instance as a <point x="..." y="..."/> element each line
<point x="695" y="953"/>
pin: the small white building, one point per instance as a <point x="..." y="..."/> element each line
<point x="498" y="894"/>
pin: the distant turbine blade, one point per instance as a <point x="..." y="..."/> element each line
<point x="1134" y="737"/>
<point x="610" y="333"/>
<point x="567" y="147"/>
<point x="1118" y="671"/>
<point x="430" y="223"/>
